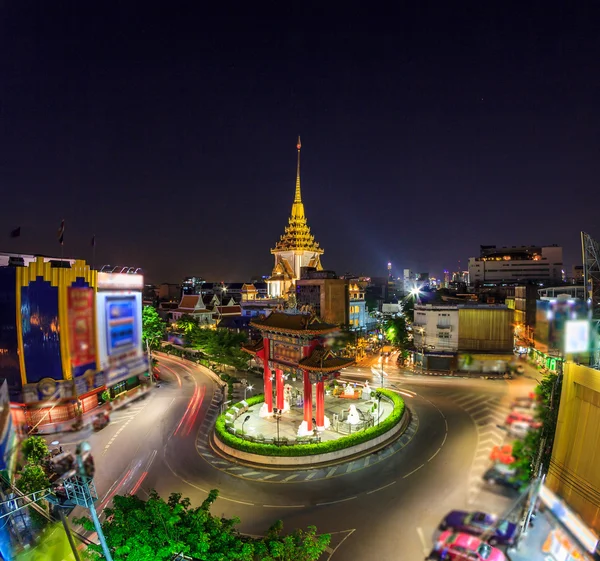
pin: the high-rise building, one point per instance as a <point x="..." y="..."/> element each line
<point x="295" y="249"/>
<point x="192" y="285"/>
<point x="498" y="265"/>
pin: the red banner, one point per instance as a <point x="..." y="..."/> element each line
<point x="81" y="328"/>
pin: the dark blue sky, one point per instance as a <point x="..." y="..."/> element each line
<point x="169" y="132"/>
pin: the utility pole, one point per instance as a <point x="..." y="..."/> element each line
<point x="150" y="372"/>
<point x="81" y="490"/>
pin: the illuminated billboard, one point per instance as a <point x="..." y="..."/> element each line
<point x="81" y="329"/>
<point x="577" y="336"/>
<point x="120" y="324"/>
<point x="119" y="328"/>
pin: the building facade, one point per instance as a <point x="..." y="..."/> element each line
<point x="326" y="294"/>
<point x="357" y="316"/>
<point x="573" y="472"/>
<point x="295" y="249"/>
<point x="496" y="265"/>
<point x="67" y="333"/>
<point x="475" y="337"/>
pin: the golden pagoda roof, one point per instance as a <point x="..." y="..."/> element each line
<point x="297" y="234"/>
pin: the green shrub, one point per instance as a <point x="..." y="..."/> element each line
<point x="313" y="448"/>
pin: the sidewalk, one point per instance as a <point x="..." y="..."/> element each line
<point x="531" y="544"/>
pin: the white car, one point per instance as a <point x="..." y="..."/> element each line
<point x="519" y="429"/>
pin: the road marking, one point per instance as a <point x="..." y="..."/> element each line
<point x="269" y="476"/>
<point x="423" y="542"/>
<point x="310" y="475"/>
<point x="436" y="453"/>
<point x="469" y="400"/>
<point x="413" y="471"/>
<point x="335" y="502"/>
<point x="368" y="460"/>
<point x="284" y="506"/>
<point x="350" y="532"/>
<point x="290" y="477"/>
<point x="381" y="488"/>
<point x="331" y="472"/>
<point x="349" y="468"/>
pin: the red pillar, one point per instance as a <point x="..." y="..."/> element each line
<point x="279" y="388"/>
<point x="267" y="378"/>
<point x="307" y="402"/>
<point x="320" y="405"/>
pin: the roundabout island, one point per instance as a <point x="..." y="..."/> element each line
<point x="350" y="420"/>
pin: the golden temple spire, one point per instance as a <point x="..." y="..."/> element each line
<point x="298" y="197"/>
<point x="298" y="207"/>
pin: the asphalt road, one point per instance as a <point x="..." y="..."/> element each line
<point x="386" y="508"/>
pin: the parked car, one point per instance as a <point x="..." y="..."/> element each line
<point x="500" y="474"/>
<point x="477" y="523"/>
<point x="519" y="429"/>
<point x="530" y="401"/>
<point x="521" y="417"/>
<point x="464" y="547"/>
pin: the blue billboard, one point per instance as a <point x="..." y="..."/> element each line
<point x="120" y="324"/>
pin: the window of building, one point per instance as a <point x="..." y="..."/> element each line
<point x="443" y="335"/>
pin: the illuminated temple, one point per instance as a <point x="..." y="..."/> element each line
<point x="295" y="249"/>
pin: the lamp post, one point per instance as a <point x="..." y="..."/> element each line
<point x="277" y="415"/>
<point x="244" y="422"/>
<point x="378" y="406"/>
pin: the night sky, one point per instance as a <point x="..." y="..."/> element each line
<point x="169" y="131"/>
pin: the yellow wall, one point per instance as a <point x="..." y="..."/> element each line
<point x="485" y="329"/>
<point x="61" y="278"/>
<point x="574" y="472"/>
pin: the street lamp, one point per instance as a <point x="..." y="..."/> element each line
<point x="246" y="388"/>
<point x="244" y="422"/>
<point x="277" y="414"/>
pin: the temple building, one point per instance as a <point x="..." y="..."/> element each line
<point x="295" y="249"/>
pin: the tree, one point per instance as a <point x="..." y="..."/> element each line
<point x="32" y="478"/>
<point x="408" y="309"/>
<point x="187" y="324"/>
<point x="396" y="332"/>
<point x="300" y="545"/>
<point x="157" y="530"/>
<point x="34" y="449"/>
<point x="153" y="328"/>
<point x="537" y="445"/>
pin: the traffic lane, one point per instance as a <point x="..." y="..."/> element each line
<point x="189" y="466"/>
<point x="397" y="521"/>
<point x="118" y="465"/>
<point x="125" y="458"/>
<point x="396" y="376"/>
<point x="179" y="432"/>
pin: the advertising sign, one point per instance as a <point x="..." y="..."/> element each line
<point x="119" y="329"/>
<point x="577" y="336"/>
<point x="120" y="324"/>
<point x="81" y="329"/>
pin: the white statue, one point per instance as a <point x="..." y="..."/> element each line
<point x="366" y="393"/>
<point x="353" y="416"/>
<point x="349" y="390"/>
